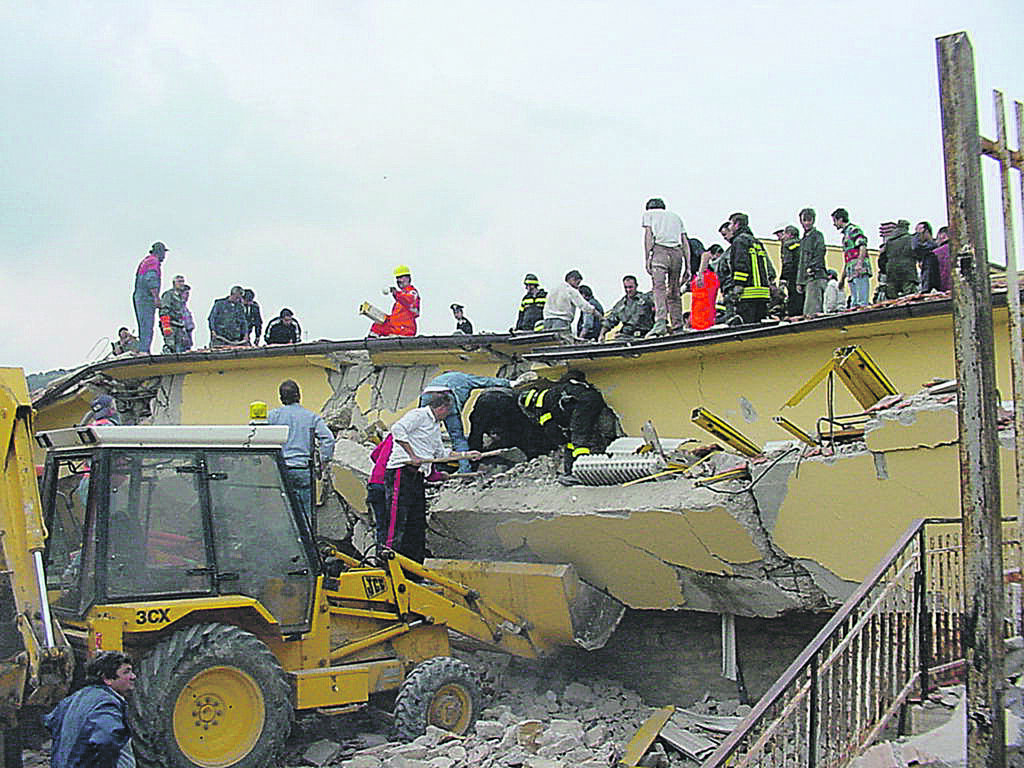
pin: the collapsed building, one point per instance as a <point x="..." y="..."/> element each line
<point x="793" y="528"/>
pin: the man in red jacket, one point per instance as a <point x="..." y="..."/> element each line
<point x="402" y="320"/>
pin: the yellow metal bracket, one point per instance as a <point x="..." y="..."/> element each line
<point x="857" y="370"/>
<point x="725" y="432"/>
<point x="794" y="430"/>
<point x="644" y="737"/>
<point x="860" y="375"/>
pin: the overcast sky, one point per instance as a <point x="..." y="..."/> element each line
<point x="305" y="149"/>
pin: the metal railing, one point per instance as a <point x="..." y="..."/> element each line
<point x="893" y="640"/>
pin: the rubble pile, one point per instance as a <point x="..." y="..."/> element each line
<point x="525" y="723"/>
<point x="541" y="470"/>
<point x="534" y="716"/>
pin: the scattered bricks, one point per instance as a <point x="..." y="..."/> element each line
<point x="322" y="752"/>
<point x="458" y="753"/>
<point x="363" y="761"/>
<point x="559" y="747"/>
<point x="590" y="714"/>
<point x="502" y="713"/>
<point x="596" y="735"/>
<point x="537" y="712"/>
<point x="440" y="762"/>
<point x="489" y="729"/>
<point x="578" y="755"/>
<point x="367" y="740"/>
<point x="543" y="762"/>
<point x="514" y="757"/>
<point x="560" y="729"/>
<point x="398" y="761"/>
<point x="435" y="736"/>
<point x="743" y="710"/>
<point x="410" y="751"/>
<point x="577" y="693"/>
<point x="527" y="734"/>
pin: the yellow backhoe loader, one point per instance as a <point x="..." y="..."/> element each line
<point x="181" y="546"/>
<point x="36" y="663"/>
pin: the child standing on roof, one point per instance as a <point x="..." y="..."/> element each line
<point x="402" y="320"/>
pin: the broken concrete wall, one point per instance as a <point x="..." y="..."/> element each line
<point x="808" y="532"/>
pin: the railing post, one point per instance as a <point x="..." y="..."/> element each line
<point x="976" y="406"/>
<point x="812" y="715"/>
<point x="924" y="630"/>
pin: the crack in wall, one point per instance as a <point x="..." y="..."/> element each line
<point x="772" y="558"/>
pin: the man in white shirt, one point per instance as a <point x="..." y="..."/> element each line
<point x="560" y="307"/>
<point x="666" y="256"/>
<point x="417" y="444"/>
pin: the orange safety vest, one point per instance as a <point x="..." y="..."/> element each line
<point x="702" y="301"/>
<point x="402" y="320"/>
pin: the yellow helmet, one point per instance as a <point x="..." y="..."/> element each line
<point x="401" y="269"/>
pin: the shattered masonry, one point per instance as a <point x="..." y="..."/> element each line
<point x="809" y="530"/>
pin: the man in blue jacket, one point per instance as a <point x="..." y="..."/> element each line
<point x="90" y="727"/>
<point x="460" y="385"/>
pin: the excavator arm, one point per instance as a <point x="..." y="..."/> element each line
<point x="526" y="609"/>
<point x="36" y="661"/>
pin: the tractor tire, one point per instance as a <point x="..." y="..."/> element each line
<point x="210" y="696"/>
<point x="441" y="691"/>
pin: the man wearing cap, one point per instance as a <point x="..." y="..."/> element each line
<point x="147" y="293"/>
<point x="462" y="324"/>
<point x="531" y="308"/>
<point x="228" y="324"/>
<point x="172" y="317"/>
<point x="402" y="320"/>
<point x="900" y="265"/>
<point x="283" y="329"/>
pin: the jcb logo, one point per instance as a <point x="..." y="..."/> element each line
<point x="152" y="616"/>
<point x="375" y="585"/>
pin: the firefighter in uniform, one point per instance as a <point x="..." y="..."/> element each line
<point x="568" y="410"/>
<point x="751" y="272"/>
<point x="531" y="308"/>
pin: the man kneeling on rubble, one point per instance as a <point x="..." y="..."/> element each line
<point x="569" y="411"/>
<point x="416" y="445"/>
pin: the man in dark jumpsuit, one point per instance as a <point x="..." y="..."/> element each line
<point x="568" y="410"/>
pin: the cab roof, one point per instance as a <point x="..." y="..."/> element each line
<point x="173" y="436"/>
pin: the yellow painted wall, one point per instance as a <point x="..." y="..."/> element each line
<point x="222" y="396"/>
<point x="666" y="386"/>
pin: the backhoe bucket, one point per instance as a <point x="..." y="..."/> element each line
<point x="559" y="608"/>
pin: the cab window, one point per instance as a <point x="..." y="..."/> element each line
<point x="259" y="548"/>
<point x="156" y="542"/>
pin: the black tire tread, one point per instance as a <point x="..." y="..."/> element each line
<point x="151" y="708"/>
<point x="426" y="679"/>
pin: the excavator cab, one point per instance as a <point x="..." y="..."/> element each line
<point x="174" y="521"/>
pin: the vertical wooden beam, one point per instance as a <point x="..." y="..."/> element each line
<point x="1013" y="307"/>
<point x="976" y="394"/>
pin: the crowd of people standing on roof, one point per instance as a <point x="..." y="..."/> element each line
<point x="234" y="320"/>
<point x="736" y="284"/>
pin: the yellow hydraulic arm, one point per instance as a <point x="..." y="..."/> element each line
<point x="36" y="662"/>
<point x="527" y="609"/>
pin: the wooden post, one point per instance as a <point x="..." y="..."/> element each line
<point x="976" y="395"/>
